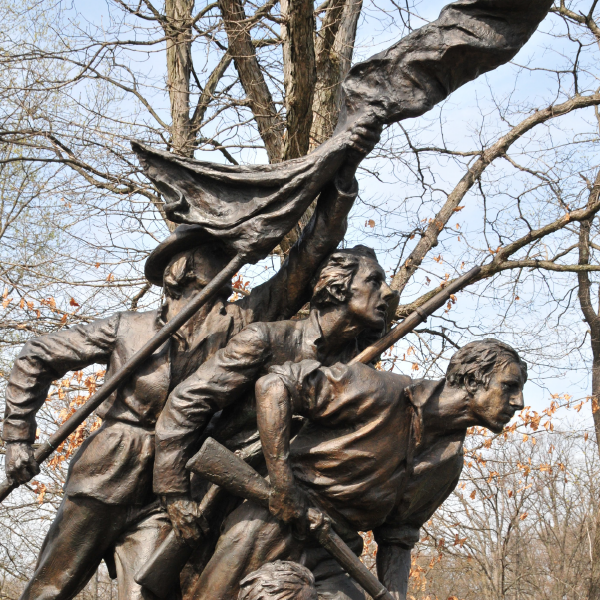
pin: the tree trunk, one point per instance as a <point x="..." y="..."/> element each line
<point x="269" y="123"/>
<point x="334" y="48"/>
<point x="299" y="74"/>
<point x="179" y="67"/>
<point x="594" y="589"/>
<point x="592" y="318"/>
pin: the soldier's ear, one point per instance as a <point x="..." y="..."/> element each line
<point x="471" y="384"/>
<point x="337" y="291"/>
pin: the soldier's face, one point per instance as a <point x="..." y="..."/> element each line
<point x="369" y="295"/>
<point x="495" y="406"/>
<point x="206" y="266"/>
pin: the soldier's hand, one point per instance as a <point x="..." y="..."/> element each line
<point x="186" y="518"/>
<point x="21" y="466"/>
<point x="364" y="136"/>
<point x="288" y="505"/>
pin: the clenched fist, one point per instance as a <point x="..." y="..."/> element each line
<point x="21" y="465"/>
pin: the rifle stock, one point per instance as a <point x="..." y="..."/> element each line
<point x="219" y="465"/>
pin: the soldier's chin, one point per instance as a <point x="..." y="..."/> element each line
<point x="497" y="425"/>
<point x="377" y="321"/>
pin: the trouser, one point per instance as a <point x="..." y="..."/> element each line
<point x="85" y="531"/>
<point x="252" y="537"/>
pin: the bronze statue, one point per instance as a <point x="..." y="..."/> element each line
<point x="379" y="452"/>
<point x="350" y="298"/>
<point x="108" y="493"/>
<point x="236" y="215"/>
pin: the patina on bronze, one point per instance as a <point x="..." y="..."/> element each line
<point x="222" y="467"/>
<point x="157" y="574"/>
<point x="108" y="493"/>
<point x="470" y="38"/>
<point x="247" y="210"/>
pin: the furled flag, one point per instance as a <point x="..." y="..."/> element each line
<point x="251" y="208"/>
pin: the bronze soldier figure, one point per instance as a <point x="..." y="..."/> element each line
<point x="108" y="510"/>
<point x="380" y="452"/>
<point x="350" y="299"/>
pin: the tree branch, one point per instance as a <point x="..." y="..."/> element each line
<point x="269" y="122"/>
<point x="299" y="74"/>
<point x="430" y="238"/>
<point x="501" y="263"/>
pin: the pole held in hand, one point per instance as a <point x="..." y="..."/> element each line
<point x="79" y="416"/>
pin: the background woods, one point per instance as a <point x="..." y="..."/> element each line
<point x="504" y="174"/>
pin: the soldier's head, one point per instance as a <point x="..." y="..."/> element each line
<point x="493" y="375"/>
<point x="279" y="580"/>
<point x="187" y="261"/>
<point x="353" y="281"/>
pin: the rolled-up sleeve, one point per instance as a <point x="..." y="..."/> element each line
<point x="45" y="359"/>
<point x="220" y="381"/>
<point x="289" y="289"/>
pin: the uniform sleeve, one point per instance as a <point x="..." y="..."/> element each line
<point x="218" y="383"/>
<point x="286" y="292"/>
<point x="45" y="359"/>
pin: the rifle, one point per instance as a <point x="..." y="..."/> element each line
<point x="222" y="467"/>
<point x="415" y="318"/>
<point x="170" y="557"/>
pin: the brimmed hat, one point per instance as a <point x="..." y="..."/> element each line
<point x="185" y="237"/>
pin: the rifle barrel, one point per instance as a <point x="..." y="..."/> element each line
<point x="415" y="318"/>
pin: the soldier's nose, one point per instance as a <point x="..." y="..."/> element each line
<point x="517" y="401"/>
<point x="387" y="292"/>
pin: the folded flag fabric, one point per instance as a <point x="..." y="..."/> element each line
<point x="470" y="37"/>
<point x="251" y="208"/>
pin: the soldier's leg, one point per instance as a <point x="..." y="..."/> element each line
<point x="134" y="548"/>
<point x="80" y="535"/>
<point x="251" y="538"/>
<point x="331" y="581"/>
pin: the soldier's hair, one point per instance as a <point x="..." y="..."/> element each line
<point x="279" y="580"/>
<point x="181" y="270"/>
<point x="479" y="360"/>
<point x="334" y="277"/>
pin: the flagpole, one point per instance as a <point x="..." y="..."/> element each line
<point x="82" y="413"/>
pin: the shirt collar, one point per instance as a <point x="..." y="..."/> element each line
<point x="421" y="391"/>
<point x="313" y="334"/>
